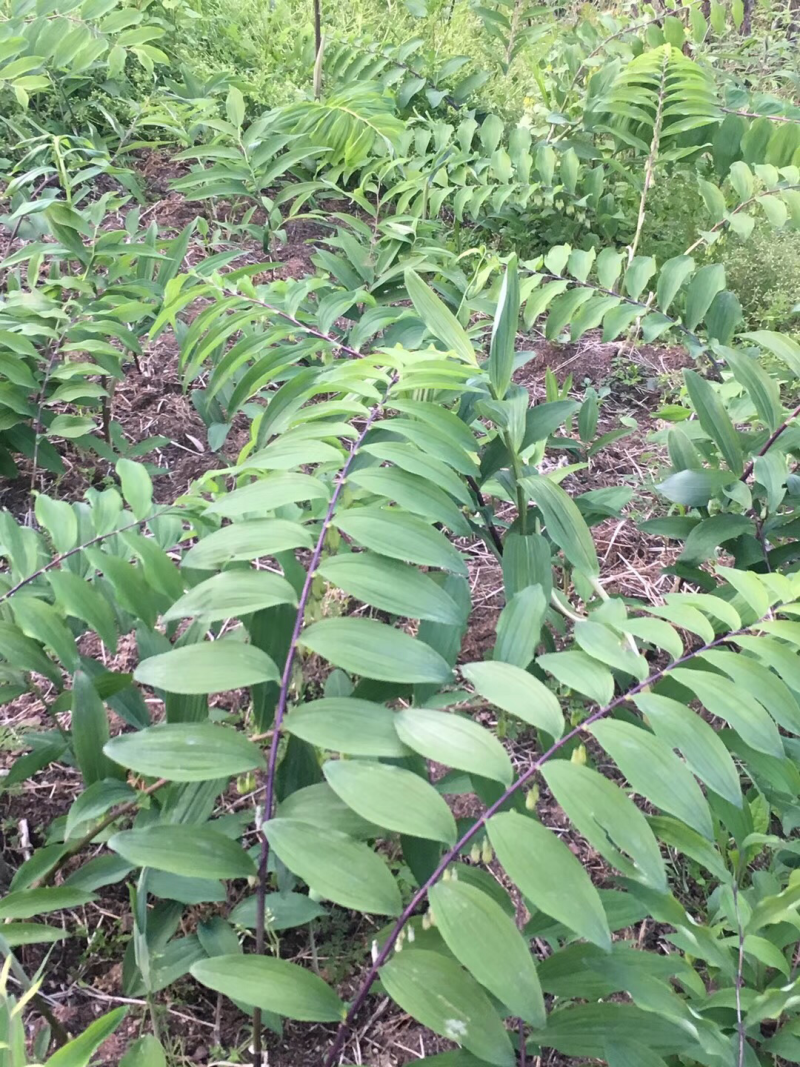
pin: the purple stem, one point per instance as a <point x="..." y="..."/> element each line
<point x="280" y="711"/>
<point x="770" y="442"/>
<point x="447" y="859"/>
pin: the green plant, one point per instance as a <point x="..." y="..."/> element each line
<point x="258" y="776"/>
<point x="390" y="713"/>
<point x="56" y="347"/>
<point x="763" y="272"/>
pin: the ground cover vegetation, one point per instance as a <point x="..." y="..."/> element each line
<point x="400" y="589"/>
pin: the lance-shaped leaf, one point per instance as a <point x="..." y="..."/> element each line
<point x="608" y="820"/>
<point x="441" y="322"/>
<point x="185" y="752"/>
<point x="549" y="875"/>
<point x="335" y="866"/>
<point x="184" y="850"/>
<point x="504" y="331"/>
<point x="443" y="997"/>
<point x="207" y="667"/>
<point x="486" y="941"/>
<point x="454" y="740"/>
<point x="392" y="797"/>
<point x="374" y="650"/>
<point x="272" y="985"/>
<point x="564" y="522"/>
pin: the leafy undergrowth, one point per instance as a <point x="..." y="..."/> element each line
<point x="398" y="615"/>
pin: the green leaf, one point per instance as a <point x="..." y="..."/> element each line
<point x="234" y="106"/>
<point x="565" y="524"/>
<point x="603" y="644"/>
<point x="207" y="667"/>
<point x="549" y="875"/>
<point x="608" y="820"/>
<point x="713" y="199"/>
<point x="79" y="598"/>
<point x="246" y="541"/>
<point x="18" y="934"/>
<point x="781" y="345"/>
<point x="185" y="752"/>
<point x="137" y="487"/>
<point x="563" y="309"/>
<point x="319" y="805"/>
<point x="705" y="285"/>
<point x="671" y="277"/>
<point x="724" y="315"/>
<point x="725" y="700"/>
<point x="31" y="903"/>
<point x="283" y="911"/>
<point x="375" y="650"/>
<point x="186" y="889"/>
<point x="343" y="724"/>
<point x="184" y="850"/>
<point x="335" y="866"/>
<point x="580" y="672"/>
<point x="272" y="985"/>
<point x="695" y="488"/>
<point x="413" y="492"/>
<point x="486" y="941"/>
<point x="655" y="773"/>
<point x="581" y="1031"/>
<point x="145" y="1051"/>
<point x="392" y="797"/>
<point x="443" y="997"/>
<point x="441" y="322"/>
<point x="608" y="266"/>
<point x="95" y="801"/>
<point x="90" y="731"/>
<point x="455" y="741"/>
<point x="638" y="274"/>
<point x="707" y="535"/>
<point x="626" y="1053"/>
<point x="519" y="626"/>
<point x="42" y="622"/>
<point x="392" y="586"/>
<point x="517" y="692"/>
<point x="394" y="533"/>
<point x="500" y="364"/>
<point x="268" y="494"/>
<point x="79" y="1052"/>
<point x="681" y="728"/>
<point x="231" y="595"/>
<point x="714" y="419"/>
<point x="58" y="518"/>
<point x="763" y="684"/>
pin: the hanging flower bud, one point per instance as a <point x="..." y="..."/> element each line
<point x="245" y="783"/>
<point x="411" y="935"/>
<point x="532" y="798"/>
<point x="487" y="852"/>
<point x="475" y="853"/>
<point x="579" y="755"/>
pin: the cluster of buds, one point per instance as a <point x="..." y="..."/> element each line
<point x="482" y="853"/>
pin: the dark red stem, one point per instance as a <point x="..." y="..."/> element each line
<point x="280" y="710"/>
<point x="773" y="437"/>
<point x="447" y="859"/>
